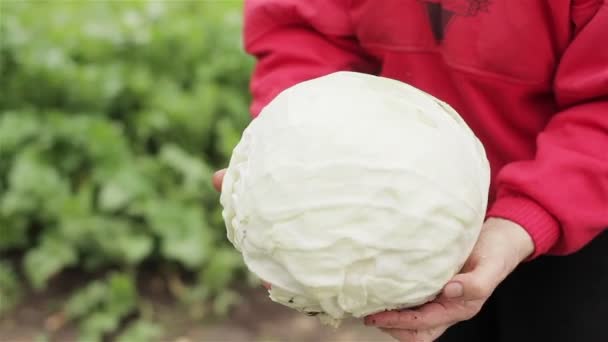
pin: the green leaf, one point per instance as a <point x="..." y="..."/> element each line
<point x="16" y="128"/>
<point x="86" y="300"/>
<point x="10" y="289"/>
<point x="102" y="305"/>
<point x="224" y="301"/>
<point x="97" y="324"/>
<point x="122" y="296"/>
<point x="191" y="169"/>
<point x="129" y="243"/>
<point x="79" y="203"/>
<point x="183" y="233"/>
<point x="220" y="270"/>
<point x="48" y="259"/>
<point x="126" y="186"/>
<point x="94" y="139"/>
<point x="13" y="232"/>
<point x="141" y="331"/>
<point x="34" y="187"/>
<point x="228" y="136"/>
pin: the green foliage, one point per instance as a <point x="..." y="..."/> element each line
<point x="113" y="116"/>
<point x="10" y="290"/>
<point x="141" y="331"/>
<point x="102" y="304"/>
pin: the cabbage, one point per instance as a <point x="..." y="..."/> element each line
<point x="353" y="194"/>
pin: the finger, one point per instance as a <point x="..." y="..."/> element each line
<point x="266" y="285"/>
<point x="477" y="283"/>
<point x="218" y="177"/>
<point x="428" y="316"/>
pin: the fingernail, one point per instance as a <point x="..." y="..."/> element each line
<point x="453" y="290"/>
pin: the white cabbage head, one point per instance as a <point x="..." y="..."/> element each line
<point x="353" y="194"/>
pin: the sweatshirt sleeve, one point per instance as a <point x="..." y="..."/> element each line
<point x="561" y="196"/>
<point x="294" y="41"/>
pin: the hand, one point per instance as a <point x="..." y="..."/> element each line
<point x="502" y="245"/>
<point x="218" y="178"/>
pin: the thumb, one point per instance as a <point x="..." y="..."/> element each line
<point x="479" y="281"/>
<point x="218" y="177"/>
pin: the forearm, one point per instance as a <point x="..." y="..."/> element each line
<point x="295" y="41"/>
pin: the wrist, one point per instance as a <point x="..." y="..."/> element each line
<point x="543" y="228"/>
<point x="518" y="240"/>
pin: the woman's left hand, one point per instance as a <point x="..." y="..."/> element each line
<point x="502" y="245"/>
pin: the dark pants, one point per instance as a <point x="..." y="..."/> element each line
<point x="551" y="299"/>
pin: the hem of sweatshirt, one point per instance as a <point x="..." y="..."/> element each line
<point x="543" y="228"/>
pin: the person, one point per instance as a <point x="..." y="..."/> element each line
<point x="531" y="79"/>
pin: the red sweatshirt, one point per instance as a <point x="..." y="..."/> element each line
<point x="529" y="76"/>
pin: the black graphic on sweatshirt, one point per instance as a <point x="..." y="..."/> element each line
<point x="442" y="11"/>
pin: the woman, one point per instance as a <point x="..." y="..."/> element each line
<point x="531" y="79"/>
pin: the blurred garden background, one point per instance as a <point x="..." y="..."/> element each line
<point x="113" y="116"/>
